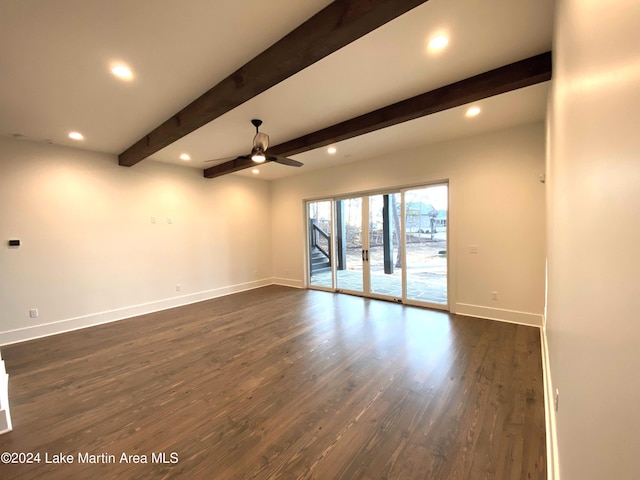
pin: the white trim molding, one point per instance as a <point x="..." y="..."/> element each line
<point x="5" y="415"/>
<point x="288" y="282"/>
<point x="511" y="316"/>
<point x="37" y="331"/>
<point x="553" y="466"/>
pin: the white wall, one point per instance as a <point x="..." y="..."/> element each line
<point x="90" y="252"/>
<point x="593" y="324"/>
<point x="496" y="202"/>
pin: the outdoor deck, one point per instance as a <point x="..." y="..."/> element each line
<point x="426" y="273"/>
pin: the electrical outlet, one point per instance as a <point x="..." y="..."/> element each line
<point x="153" y="219"/>
<point x="473" y="248"/>
<point x="494" y="295"/>
<point x="33" y="313"/>
<point x="178" y="287"/>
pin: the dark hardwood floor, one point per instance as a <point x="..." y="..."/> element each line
<point x="279" y="383"/>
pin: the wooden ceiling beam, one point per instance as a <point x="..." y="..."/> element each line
<point x="230" y="166"/>
<point x="510" y="77"/>
<point x="334" y="27"/>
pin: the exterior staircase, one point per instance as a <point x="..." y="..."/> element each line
<point x="319" y="261"/>
<point x="319" y="247"/>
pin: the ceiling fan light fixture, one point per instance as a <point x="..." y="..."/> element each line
<point x="258" y="156"/>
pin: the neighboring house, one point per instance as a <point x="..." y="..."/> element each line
<point x="419" y="217"/>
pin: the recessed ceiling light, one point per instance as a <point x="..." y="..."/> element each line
<point x="76" y="136"/>
<point x="185" y="156"/>
<point x="255" y="171"/>
<point x="472" y="111"/>
<point x="438" y="42"/>
<point x="122" y="71"/>
<point x="331" y="150"/>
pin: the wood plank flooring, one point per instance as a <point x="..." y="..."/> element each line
<point x="280" y="383"/>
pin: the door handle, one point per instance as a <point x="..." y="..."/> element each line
<point x="366" y="252"/>
<point x="363" y="255"/>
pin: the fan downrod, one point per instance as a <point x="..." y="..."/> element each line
<point x="256" y="123"/>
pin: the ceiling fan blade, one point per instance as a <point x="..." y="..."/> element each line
<point x="284" y="161"/>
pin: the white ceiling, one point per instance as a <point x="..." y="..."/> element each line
<point x="56" y="56"/>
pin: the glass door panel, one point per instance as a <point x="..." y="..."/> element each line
<point x="349" y="245"/>
<point x="384" y="240"/>
<point x="320" y="262"/>
<point x="426" y="211"/>
<point x="383" y="245"/>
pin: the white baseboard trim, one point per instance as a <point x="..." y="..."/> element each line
<point x="288" y="282"/>
<point x="5" y="415"/>
<point x="553" y="466"/>
<point x="5" y="421"/>
<point x="511" y="316"/>
<point x="53" y="328"/>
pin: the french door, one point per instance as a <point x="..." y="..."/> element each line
<point x="367" y="239"/>
<point x="390" y="245"/>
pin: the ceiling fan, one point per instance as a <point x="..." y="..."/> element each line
<point x="258" y="152"/>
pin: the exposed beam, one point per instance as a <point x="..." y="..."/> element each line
<point x="510" y="77"/>
<point x="337" y="25"/>
<point x="229" y="167"/>
<point x="516" y="75"/>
